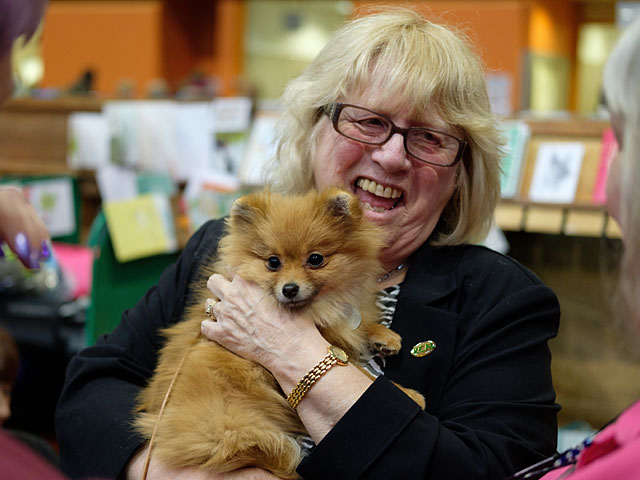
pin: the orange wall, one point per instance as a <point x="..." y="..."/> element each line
<point x="205" y="36"/>
<point x="118" y="39"/>
<point x="554" y="31"/>
<point x="142" y="41"/>
<point x="553" y="27"/>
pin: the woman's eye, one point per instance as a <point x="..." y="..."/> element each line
<point x="315" y="260"/>
<point x="431" y="138"/>
<point x="373" y="122"/>
<point x="273" y="263"/>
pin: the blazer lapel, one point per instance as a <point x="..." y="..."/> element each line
<point x="424" y="312"/>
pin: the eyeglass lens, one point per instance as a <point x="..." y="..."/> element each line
<point x="369" y="127"/>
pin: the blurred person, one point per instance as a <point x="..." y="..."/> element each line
<point x="26" y="235"/>
<point x="613" y="451"/>
<point x="20" y="226"/>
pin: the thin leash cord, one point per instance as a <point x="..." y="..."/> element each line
<point x="147" y="460"/>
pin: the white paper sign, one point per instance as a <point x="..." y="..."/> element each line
<point x="88" y="140"/>
<point x="193" y="130"/>
<point x="116" y="183"/>
<point x="499" y="90"/>
<point x="231" y="114"/>
<point x="53" y="200"/>
<point x="557" y="171"/>
<point x="261" y="148"/>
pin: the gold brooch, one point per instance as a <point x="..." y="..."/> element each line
<point x="423" y="348"/>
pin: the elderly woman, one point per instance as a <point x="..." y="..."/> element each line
<point x="613" y="452"/>
<point x="395" y="110"/>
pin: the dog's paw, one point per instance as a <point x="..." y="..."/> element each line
<point x="385" y="341"/>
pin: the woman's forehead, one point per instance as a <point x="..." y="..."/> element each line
<point x="395" y="104"/>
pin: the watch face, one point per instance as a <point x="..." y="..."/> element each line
<point x="340" y="354"/>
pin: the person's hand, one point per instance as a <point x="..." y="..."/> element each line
<point x="158" y="471"/>
<point x="250" y="324"/>
<point x="22" y="229"/>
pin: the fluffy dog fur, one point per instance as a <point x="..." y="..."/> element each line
<point x="225" y="412"/>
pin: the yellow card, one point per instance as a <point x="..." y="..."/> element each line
<point x="140" y="227"/>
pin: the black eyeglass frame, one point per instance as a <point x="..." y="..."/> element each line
<point x="333" y="112"/>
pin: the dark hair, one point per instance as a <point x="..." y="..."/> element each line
<point x="9" y="359"/>
<point x="18" y="17"/>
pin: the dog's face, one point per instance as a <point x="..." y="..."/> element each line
<point x="302" y="249"/>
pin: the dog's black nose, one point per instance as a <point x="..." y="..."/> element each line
<point x="290" y="290"/>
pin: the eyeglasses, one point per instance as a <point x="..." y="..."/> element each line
<point x="366" y="126"/>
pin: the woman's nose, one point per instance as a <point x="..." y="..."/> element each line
<point x="392" y="156"/>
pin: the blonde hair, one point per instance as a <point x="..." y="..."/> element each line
<point x="622" y="93"/>
<point x="422" y="64"/>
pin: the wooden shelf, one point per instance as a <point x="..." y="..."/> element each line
<point x="33" y="134"/>
<point x="556" y="219"/>
<point x="579" y="218"/>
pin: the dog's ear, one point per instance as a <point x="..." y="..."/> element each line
<point x="247" y="209"/>
<point x="342" y="204"/>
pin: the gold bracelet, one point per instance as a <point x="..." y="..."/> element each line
<point x="335" y="355"/>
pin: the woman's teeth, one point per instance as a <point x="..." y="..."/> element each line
<point x="377" y="189"/>
<point x="367" y="206"/>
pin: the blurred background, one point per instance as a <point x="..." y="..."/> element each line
<point x="134" y="121"/>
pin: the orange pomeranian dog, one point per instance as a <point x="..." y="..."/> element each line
<point x="316" y="254"/>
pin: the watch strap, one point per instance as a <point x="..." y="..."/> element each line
<point x="303" y="386"/>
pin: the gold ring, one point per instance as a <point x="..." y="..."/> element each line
<point x="208" y="308"/>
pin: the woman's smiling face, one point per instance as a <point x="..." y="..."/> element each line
<point x="403" y="195"/>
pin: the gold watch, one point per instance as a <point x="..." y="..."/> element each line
<point x="335" y="355"/>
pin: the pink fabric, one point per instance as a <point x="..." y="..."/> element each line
<point x="607" y="152"/>
<point x="614" y="454"/>
<point x="19" y="462"/>
<point x="76" y="261"/>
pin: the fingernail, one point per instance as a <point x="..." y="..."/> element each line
<point x="23" y="249"/>
<point x="45" y="250"/>
<point x="34" y="262"/>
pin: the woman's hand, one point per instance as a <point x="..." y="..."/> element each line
<point x="158" y="471"/>
<point x="250" y="324"/>
<point x="287" y="344"/>
<point x="22" y="229"/>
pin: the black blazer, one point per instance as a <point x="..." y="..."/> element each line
<point x="490" y="401"/>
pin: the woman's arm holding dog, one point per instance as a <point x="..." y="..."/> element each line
<point x="288" y="346"/>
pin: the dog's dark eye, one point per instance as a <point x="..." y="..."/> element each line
<point x="273" y="263"/>
<point x="315" y="260"/>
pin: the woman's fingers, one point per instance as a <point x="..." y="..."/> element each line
<point x="215" y="284"/>
<point x="22" y="229"/>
